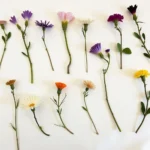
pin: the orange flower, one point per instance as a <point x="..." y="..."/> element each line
<point x="89" y="84"/>
<point x="10" y="82"/>
<point x="60" y="85"/>
<point x="3" y="22"/>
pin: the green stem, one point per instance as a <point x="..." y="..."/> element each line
<point x="119" y="30"/>
<point x="59" y="113"/>
<point x="33" y="110"/>
<point x="86" y="57"/>
<point x="90" y="115"/>
<point x="147" y="100"/>
<point x="70" y="58"/>
<point x="49" y="57"/>
<point x="142" y="41"/>
<point x="15" y="125"/>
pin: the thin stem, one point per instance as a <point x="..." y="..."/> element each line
<point x="15" y="125"/>
<point x="49" y="57"/>
<point x="86" y="57"/>
<point x="147" y="100"/>
<point x="104" y="74"/>
<point x="119" y="30"/>
<point x="142" y="41"/>
<point x="90" y="115"/>
<point x="33" y="110"/>
<point x="70" y="57"/>
<point x="59" y="113"/>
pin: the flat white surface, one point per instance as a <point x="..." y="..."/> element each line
<point x="125" y="92"/>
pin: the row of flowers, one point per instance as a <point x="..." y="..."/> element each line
<point x="66" y="18"/>
<point x="32" y="102"/>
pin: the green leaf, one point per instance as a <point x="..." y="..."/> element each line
<point x="143" y="108"/>
<point x="119" y="47"/>
<point x="127" y="51"/>
<point x="24" y="54"/>
<point x="146" y="55"/>
<point x="9" y="35"/>
<point x="137" y="35"/>
<point x="3" y="38"/>
<point x="13" y="127"/>
<point x="148" y="111"/>
<point x="84" y="108"/>
<point x="143" y="35"/>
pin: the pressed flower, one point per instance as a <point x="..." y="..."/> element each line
<point x="2" y="22"/>
<point x="107" y="50"/>
<point x="44" y="24"/>
<point x="89" y="84"/>
<point x="115" y="18"/>
<point x="26" y="14"/>
<point x="95" y="49"/>
<point x="10" y="82"/>
<point x="60" y="85"/>
<point x="13" y="20"/>
<point x="141" y="73"/>
<point x="86" y="20"/>
<point x="65" y="16"/>
<point x="132" y="9"/>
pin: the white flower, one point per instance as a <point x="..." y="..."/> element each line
<point x="30" y="102"/>
<point x="86" y="20"/>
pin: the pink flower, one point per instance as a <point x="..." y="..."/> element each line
<point x="65" y="16"/>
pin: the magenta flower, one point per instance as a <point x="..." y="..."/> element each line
<point x="66" y="16"/>
<point x="13" y="20"/>
<point x="95" y="49"/>
<point x="115" y="18"/>
<point x="26" y="14"/>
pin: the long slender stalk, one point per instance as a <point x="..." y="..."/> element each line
<point x="70" y="57"/>
<point x="48" y="54"/>
<point x="86" y="57"/>
<point x="86" y="109"/>
<point x="147" y="101"/>
<point x="33" y="110"/>
<point x="59" y="110"/>
<point x="15" y="127"/>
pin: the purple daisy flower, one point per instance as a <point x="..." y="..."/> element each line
<point x="26" y="14"/>
<point x="115" y="17"/>
<point x="95" y="49"/>
<point x="43" y="24"/>
<point x="107" y="50"/>
<point x="13" y="20"/>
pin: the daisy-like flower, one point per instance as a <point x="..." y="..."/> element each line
<point x="89" y="84"/>
<point x="31" y="102"/>
<point x="13" y="20"/>
<point x="44" y="24"/>
<point x="95" y="49"/>
<point x="141" y="73"/>
<point x="26" y="14"/>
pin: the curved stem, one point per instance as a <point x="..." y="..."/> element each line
<point x="33" y="110"/>
<point x="147" y="100"/>
<point x="119" y="30"/>
<point x="90" y="115"/>
<point x="59" y="113"/>
<point x="15" y="125"/>
<point x="49" y="57"/>
<point x="70" y="58"/>
<point x="142" y="41"/>
<point x="104" y="73"/>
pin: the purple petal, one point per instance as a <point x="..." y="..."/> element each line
<point x="95" y="49"/>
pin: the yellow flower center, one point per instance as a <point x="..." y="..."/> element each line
<point x="31" y="105"/>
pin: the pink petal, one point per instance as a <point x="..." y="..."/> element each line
<point x="3" y="22"/>
<point x="61" y="15"/>
<point x="69" y="16"/>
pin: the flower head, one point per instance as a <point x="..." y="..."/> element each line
<point x="141" y="73"/>
<point x="66" y="16"/>
<point x="30" y="102"/>
<point x="89" y="84"/>
<point x="115" y="18"/>
<point x="95" y="49"/>
<point x="107" y="50"/>
<point x="60" y="85"/>
<point x="10" y="82"/>
<point x="132" y="9"/>
<point x="13" y="20"/>
<point x="26" y="14"/>
<point x="86" y="20"/>
<point x="44" y="24"/>
<point x="2" y="22"/>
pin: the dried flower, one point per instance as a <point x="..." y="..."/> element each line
<point x="44" y="24"/>
<point x="95" y="49"/>
<point x="60" y="85"/>
<point x="86" y="20"/>
<point x="2" y="22"/>
<point x="65" y="16"/>
<point x="13" y="20"/>
<point x="132" y="9"/>
<point x="26" y="14"/>
<point x="141" y="73"/>
<point x="10" y="82"/>
<point x="107" y="50"/>
<point x="115" y="18"/>
<point x="89" y="84"/>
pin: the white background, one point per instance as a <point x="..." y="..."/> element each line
<point x="125" y="92"/>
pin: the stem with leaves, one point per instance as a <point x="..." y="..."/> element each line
<point x="59" y="103"/>
<point x="49" y="57"/>
<point x="41" y="129"/>
<point x="85" y="108"/>
<point x="144" y="109"/>
<point x="5" y="39"/>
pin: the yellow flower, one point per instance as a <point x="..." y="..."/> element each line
<point x="89" y="84"/>
<point x="141" y="73"/>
